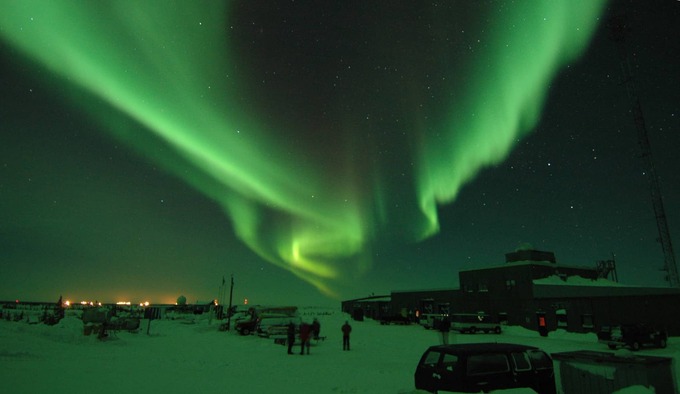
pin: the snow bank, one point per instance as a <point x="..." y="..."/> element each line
<point x="186" y="356"/>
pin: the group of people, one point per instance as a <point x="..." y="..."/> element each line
<point x="312" y="331"/>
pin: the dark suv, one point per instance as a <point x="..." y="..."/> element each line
<point x="475" y="367"/>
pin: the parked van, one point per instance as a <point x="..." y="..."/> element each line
<point x="475" y="367"/>
<point x="474" y="322"/>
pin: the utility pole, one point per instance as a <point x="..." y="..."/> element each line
<point x="619" y="30"/>
<point x="221" y="292"/>
<point x="231" y="293"/>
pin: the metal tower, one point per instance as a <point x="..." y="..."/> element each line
<point x="619" y="30"/>
<point x="607" y="267"/>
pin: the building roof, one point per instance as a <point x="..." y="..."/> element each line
<point x="378" y="298"/>
<point x="426" y="290"/>
<point x="575" y="280"/>
<point x="525" y="263"/>
<point x="580" y="290"/>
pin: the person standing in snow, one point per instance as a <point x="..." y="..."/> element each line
<point x="291" y="337"/>
<point x="346" y="329"/>
<point x="305" y="331"/>
<point x="444" y="328"/>
<point x="316" y="329"/>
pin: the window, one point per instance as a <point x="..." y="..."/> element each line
<point x="432" y="359"/>
<point x="510" y="283"/>
<point x="561" y="315"/>
<point x="521" y="361"/>
<point x="450" y="361"/>
<point x="482" y="364"/>
<point x="587" y="321"/>
<point x="483" y="287"/>
<point x="539" y="359"/>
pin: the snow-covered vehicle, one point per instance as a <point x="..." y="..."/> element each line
<point x="633" y="336"/>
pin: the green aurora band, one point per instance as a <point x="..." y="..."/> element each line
<point x="172" y="67"/>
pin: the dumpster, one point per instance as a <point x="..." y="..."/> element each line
<point x="586" y="371"/>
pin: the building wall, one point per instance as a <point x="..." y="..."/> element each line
<point x="519" y="275"/>
<point x="370" y="307"/>
<point x="509" y="291"/>
<point x="655" y="310"/>
<point x="503" y="291"/>
<point x="419" y="301"/>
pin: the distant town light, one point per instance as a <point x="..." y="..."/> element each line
<point x="123" y="303"/>
<point x="90" y="303"/>
<point x="245" y="301"/>
<point x="67" y="303"/>
<point x="145" y="303"/>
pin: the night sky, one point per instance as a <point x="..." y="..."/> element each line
<point x="324" y="150"/>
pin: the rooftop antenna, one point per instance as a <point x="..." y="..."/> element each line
<point x="607" y="267"/>
<point x="619" y="31"/>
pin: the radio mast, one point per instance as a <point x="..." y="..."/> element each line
<point x="619" y="31"/>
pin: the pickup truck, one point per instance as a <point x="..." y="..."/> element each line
<point x="633" y="336"/>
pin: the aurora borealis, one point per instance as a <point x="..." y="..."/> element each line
<point x="175" y="143"/>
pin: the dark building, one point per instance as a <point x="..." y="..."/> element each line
<point x="507" y="290"/>
<point x="531" y="287"/>
<point x="374" y="307"/>
<point x="587" y="308"/>
<point x="415" y="303"/>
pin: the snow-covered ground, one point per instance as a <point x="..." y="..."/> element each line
<point x="193" y="356"/>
